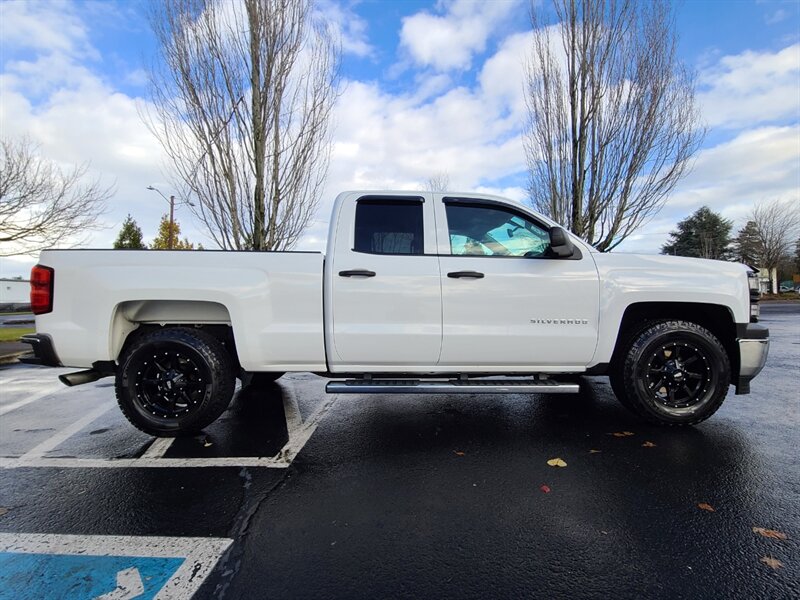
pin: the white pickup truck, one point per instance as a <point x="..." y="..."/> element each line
<point x="418" y="293"/>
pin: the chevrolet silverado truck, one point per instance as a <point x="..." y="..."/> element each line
<point x="417" y="293"/>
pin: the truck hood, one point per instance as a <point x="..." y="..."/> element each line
<point x="662" y="262"/>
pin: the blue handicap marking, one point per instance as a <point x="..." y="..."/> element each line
<point x="105" y="567"/>
<point x="81" y="576"/>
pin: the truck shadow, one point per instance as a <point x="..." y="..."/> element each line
<point x="254" y="425"/>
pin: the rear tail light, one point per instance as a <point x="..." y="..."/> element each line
<point x="42" y="289"/>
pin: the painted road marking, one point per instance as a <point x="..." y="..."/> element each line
<point x="62" y="436"/>
<point x="106" y="567"/>
<point x="33" y="398"/>
<point x="158" y="448"/>
<point x="299" y="432"/>
<point x="129" y="585"/>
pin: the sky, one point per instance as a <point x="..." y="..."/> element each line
<point x="428" y="88"/>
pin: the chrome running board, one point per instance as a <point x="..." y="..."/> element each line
<point x="451" y="386"/>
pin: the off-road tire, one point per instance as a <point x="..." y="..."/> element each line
<point x="190" y="353"/>
<point x="651" y="373"/>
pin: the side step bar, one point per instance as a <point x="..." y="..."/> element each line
<point x="451" y="386"/>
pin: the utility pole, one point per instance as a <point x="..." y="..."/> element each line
<point x="171" y="200"/>
<point x="171" y="221"/>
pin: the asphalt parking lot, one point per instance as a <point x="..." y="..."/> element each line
<point x="295" y="493"/>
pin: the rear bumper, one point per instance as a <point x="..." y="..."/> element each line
<point x="753" y="340"/>
<point x="43" y="351"/>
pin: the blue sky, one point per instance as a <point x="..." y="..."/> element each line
<point x="430" y="87"/>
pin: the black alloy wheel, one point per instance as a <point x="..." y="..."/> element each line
<point x="672" y="373"/>
<point x="679" y="374"/>
<point x="174" y="381"/>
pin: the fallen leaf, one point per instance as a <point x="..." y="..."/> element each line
<point x="770" y="533"/>
<point x="545" y="489"/>
<point x="771" y="562"/>
<point x="594" y="451"/>
<point x="459" y="453"/>
<point x="3" y="510"/>
<point x="706" y="506"/>
<point x="648" y="445"/>
<point x="622" y="433"/>
<point x="556" y="462"/>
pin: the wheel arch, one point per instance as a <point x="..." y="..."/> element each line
<point x="132" y="319"/>
<point x="718" y="319"/>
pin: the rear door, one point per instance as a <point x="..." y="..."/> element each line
<point x="385" y="290"/>
<point x="507" y="306"/>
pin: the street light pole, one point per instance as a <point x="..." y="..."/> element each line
<point x="171" y="200"/>
<point x="171" y="220"/>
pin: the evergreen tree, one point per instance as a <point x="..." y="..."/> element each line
<point x="704" y="234"/>
<point x="748" y="247"/>
<point x="797" y="255"/>
<point x="130" y="236"/>
<point x="162" y="239"/>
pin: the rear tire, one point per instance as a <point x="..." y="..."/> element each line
<point x="673" y="373"/>
<point x="175" y="381"/>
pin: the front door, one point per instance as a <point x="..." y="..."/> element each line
<point x="386" y="301"/>
<point x="507" y="306"/>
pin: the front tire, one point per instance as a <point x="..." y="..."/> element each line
<point x="674" y="373"/>
<point x="174" y="381"/>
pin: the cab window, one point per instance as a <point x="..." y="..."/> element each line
<point x="389" y="227"/>
<point x="493" y="231"/>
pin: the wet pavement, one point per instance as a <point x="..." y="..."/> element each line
<point x="443" y="496"/>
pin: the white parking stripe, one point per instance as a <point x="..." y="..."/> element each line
<point x="158" y="448"/>
<point x="33" y="398"/>
<point x="41" y="449"/>
<point x="270" y="462"/>
<point x="298" y="431"/>
<point x="299" y="437"/>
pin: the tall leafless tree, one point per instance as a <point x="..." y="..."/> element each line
<point x="776" y="225"/>
<point x="43" y="205"/>
<point x="613" y="121"/>
<point x="438" y="182"/>
<point x="242" y="102"/>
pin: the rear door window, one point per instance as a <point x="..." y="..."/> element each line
<point x="389" y="227"/>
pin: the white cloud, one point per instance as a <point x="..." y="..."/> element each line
<point x="776" y="17"/>
<point x="751" y="88"/>
<point x="730" y="178"/>
<point x="45" y="26"/>
<point x="450" y="40"/>
<point x="350" y="28"/>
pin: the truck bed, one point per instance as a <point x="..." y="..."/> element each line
<point x="271" y="300"/>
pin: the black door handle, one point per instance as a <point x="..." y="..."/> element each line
<point x="357" y="273"/>
<point x="465" y="275"/>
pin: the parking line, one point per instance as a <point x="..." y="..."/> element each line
<point x="38" y="396"/>
<point x="158" y="448"/>
<point x="299" y="432"/>
<point x="198" y="557"/>
<point x="41" y="449"/>
<point x="270" y="462"/>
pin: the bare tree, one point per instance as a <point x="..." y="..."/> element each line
<point x="776" y="224"/>
<point x="42" y="205"/>
<point x="242" y="101"/>
<point x="612" y="120"/>
<point x="438" y="182"/>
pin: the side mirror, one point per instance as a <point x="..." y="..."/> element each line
<point x="560" y="244"/>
